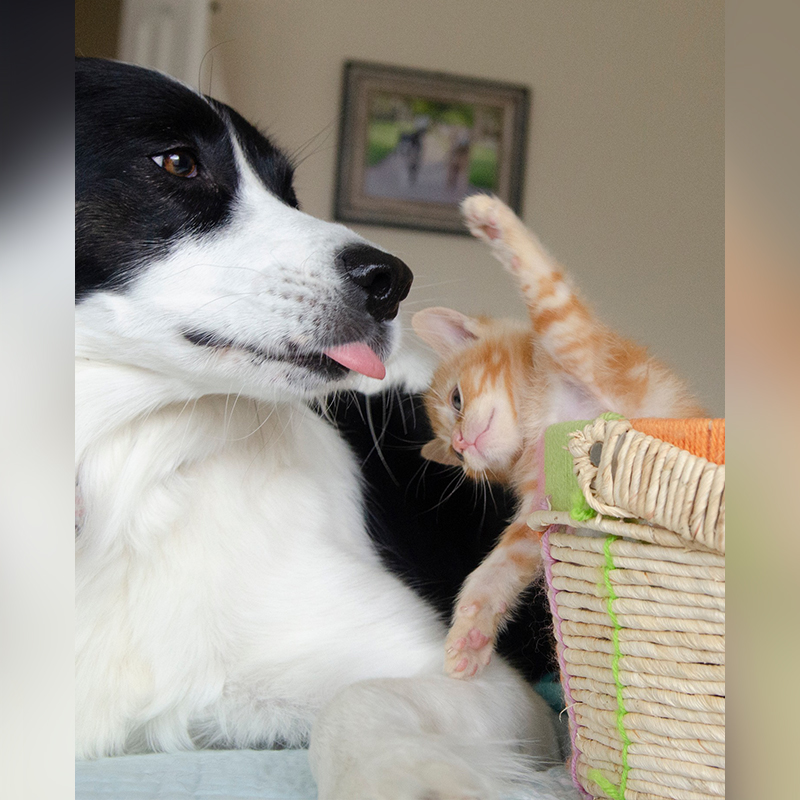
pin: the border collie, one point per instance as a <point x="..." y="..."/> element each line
<point x="228" y="592"/>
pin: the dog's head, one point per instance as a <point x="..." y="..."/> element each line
<point x="193" y="258"/>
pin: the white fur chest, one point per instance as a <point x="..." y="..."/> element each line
<point x="205" y="525"/>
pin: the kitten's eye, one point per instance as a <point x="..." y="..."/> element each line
<point x="455" y="399"/>
<point x="177" y="162"/>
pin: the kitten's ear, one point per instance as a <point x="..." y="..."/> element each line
<point x="444" y="329"/>
<point x="439" y="452"/>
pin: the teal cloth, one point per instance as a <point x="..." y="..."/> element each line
<point x="549" y="687"/>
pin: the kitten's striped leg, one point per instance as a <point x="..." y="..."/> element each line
<point x="488" y="594"/>
<point x="564" y="326"/>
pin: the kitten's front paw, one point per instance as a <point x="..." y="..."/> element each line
<point x="470" y="642"/>
<point x="492" y="221"/>
<point x="480" y="215"/>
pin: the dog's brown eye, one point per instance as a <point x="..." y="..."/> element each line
<point x="455" y="399"/>
<point x="177" y="162"/>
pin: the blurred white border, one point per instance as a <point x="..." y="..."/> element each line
<point x="36" y="469"/>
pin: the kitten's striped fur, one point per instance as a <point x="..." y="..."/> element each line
<point x="501" y="383"/>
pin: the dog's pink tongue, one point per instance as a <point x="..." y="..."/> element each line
<point x="358" y="357"/>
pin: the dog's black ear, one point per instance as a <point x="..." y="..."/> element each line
<point x="94" y="71"/>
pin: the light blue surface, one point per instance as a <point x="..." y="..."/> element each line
<point x="229" y="774"/>
<point x="238" y="775"/>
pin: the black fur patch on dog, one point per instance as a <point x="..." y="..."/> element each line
<point x="129" y="209"/>
<point x="429" y="533"/>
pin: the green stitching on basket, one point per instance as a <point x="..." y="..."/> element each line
<point x="615" y="792"/>
<point x="605" y="784"/>
<point x="580" y="510"/>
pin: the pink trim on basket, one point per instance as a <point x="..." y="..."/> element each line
<point x="573" y="723"/>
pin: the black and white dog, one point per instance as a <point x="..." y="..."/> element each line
<point x="228" y="592"/>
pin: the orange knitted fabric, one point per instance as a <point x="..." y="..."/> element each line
<point x="701" y="437"/>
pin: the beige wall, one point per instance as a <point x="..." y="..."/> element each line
<point x="624" y="178"/>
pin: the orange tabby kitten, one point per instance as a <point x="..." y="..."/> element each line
<point x="500" y="384"/>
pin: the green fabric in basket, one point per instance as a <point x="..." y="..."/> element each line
<point x="559" y="477"/>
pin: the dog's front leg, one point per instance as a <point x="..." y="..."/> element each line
<point x="429" y="737"/>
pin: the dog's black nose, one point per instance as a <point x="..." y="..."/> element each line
<point x="383" y="278"/>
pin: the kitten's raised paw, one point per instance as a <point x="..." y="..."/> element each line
<point x="491" y="220"/>
<point x="470" y="642"/>
<point x="479" y="212"/>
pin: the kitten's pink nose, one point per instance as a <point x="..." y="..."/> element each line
<point x="460" y="444"/>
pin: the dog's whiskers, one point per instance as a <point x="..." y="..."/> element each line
<point x="377" y="444"/>
<point x="298" y="156"/>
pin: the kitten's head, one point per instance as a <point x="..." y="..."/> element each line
<point x="474" y="399"/>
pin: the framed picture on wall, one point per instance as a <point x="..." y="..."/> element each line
<point x="413" y="144"/>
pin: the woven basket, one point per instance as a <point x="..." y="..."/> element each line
<point x="638" y="600"/>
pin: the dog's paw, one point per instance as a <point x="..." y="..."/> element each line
<point x="421" y="778"/>
<point x="470" y="642"/>
<point x="438" y="780"/>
